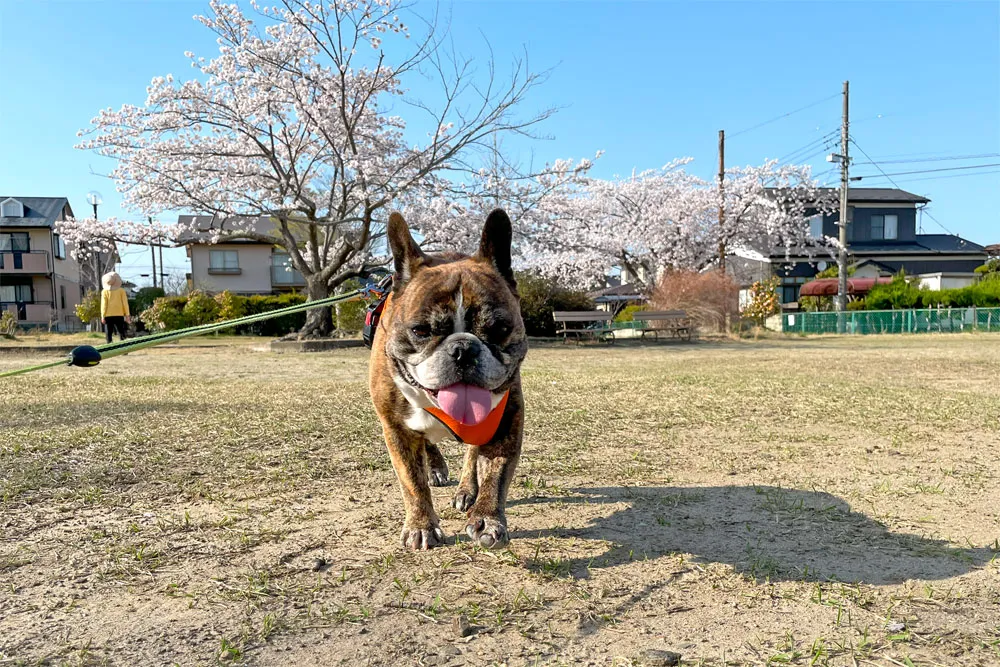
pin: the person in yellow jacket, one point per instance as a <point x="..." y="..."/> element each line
<point x="114" y="305"/>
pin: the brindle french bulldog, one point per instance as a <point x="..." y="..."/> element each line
<point x="446" y="362"/>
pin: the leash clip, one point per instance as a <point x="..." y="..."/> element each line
<point x="374" y="311"/>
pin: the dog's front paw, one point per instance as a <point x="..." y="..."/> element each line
<point x="463" y="500"/>
<point x="439" y="476"/>
<point x="421" y="539"/>
<point x="487" y="531"/>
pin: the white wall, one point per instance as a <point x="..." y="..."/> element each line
<point x="940" y="281"/>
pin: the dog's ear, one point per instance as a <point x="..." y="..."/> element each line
<point x="407" y="256"/>
<point x="494" y="246"/>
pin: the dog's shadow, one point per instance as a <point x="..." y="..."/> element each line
<point x="762" y="531"/>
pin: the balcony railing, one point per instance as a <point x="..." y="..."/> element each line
<point x="35" y="261"/>
<point x="282" y="276"/>
<point x="37" y="311"/>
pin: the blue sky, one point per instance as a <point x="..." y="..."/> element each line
<point x="646" y="82"/>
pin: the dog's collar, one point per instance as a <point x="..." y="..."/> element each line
<point x="479" y="434"/>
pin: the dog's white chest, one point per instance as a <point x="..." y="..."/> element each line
<point x="424" y="422"/>
<point x="419" y="419"/>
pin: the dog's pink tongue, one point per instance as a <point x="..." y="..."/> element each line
<point x="465" y="403"/>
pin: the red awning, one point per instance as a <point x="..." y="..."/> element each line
<point x="829" y="286"/>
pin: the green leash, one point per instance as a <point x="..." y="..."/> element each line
<point x="87" y="356"/>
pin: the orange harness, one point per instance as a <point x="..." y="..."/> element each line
<point x="478" y="434"/>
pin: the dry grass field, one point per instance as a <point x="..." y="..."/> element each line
<point x="804" y="502"/>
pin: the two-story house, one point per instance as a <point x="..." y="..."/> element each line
<point x="39" y="282"/>
<point x="240" y="266"/>
<point x="882" y="239"/>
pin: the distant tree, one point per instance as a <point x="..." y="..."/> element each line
<point x="292" y="123"/>
<point x="763" y="301"/>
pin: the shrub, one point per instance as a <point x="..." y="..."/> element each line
<point x="990" y="270"/>
<point x="763" y="300"/>
<point x="145" y="297"/>
<point x="89" y="308"/>
<point x="8" y="324"/>
<point x="627" y="313"/>
<point x="200" y="309"/>
<point x="857" y="304"/>
<point x="278" y="326"/>
<point x="541" y="296"/>
<point x="900" y="293"/>
<point x="166" y="314"/>
<point x="231" y="306"/>
<point x="350" y="316"/>
<point x="710" y="298"/>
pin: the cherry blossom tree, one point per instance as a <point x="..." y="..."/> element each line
<point x="768" y="207"/>
<point x="453" y="219"/>
<point x="668" y="218"/>
<point x="294" y="123"/>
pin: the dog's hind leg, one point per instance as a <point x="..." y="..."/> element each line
<point x="468" y="485"/>
<point x="438" y="467"/>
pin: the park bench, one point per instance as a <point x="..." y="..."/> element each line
<point x="675" y="322"/>
<point x="593" y="324"/>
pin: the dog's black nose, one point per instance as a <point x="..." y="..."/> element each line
<point x="464" y="351"/>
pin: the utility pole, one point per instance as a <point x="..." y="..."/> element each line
<point x="163" y="274"/>
<point x="152" y="251"/>
<point x="844" y="181"/>
<point x="722" y="201"/>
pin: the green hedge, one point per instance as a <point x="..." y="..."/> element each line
<point x="901" y="293"/>
<point x="178" y="312"/>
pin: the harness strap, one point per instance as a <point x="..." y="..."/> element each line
<point x="479" y="434"/>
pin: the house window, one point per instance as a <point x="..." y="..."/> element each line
<point x="885" y="227"/>
<point x="15" y="242"/>
<point x="816" y="227"/>
<point x="282" y="271"/>
<point x="60" y="246"/>
<point x="789" y="293"/>
<point x="11" y="208"/>
<point x="17" y="293"/>
<point x="62" y="297"/>
<point x="224" y="261"/>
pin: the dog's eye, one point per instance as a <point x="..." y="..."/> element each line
<point x="421" y="330"/>
<point x="499" y="331"/>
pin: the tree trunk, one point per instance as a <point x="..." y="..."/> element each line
<point x="318" y="320"/>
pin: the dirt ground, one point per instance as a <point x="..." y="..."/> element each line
<point x="808" y="501"/>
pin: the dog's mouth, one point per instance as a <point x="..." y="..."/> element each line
<point x="412" y="381"/>
<point x="465" y="403"/>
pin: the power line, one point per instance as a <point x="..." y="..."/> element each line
<point x="941" y="178"/>
<point x="812" y="145"/>
<point x="784" y="115"/>
<point x="894" y="182"/>
<point x="924" y="210"/>
<point x="928" y="171"/>
<point x="938" y="159"/>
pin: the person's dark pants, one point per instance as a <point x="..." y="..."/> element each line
<point x="113" y="324"/>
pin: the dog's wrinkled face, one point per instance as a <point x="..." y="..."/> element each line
<point x="456" y="320"/>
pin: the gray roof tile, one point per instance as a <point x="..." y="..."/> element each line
<point x="38" y="211"/>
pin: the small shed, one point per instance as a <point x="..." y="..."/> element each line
<point x="613" y="299"/>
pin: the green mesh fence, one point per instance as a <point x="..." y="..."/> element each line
<point x="928" y="320"/>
